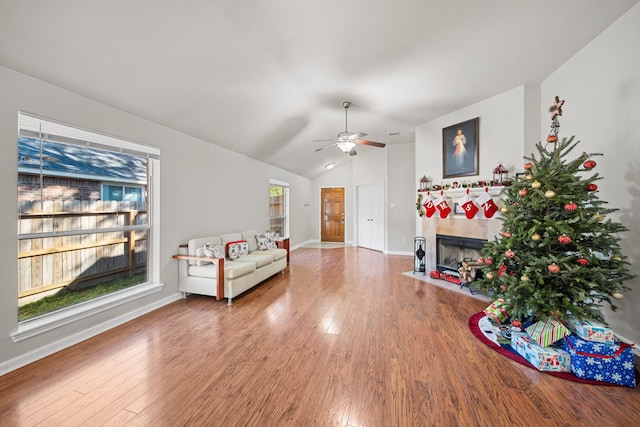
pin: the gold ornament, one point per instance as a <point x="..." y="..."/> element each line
<point x="535" y="237"/>
<point x="489" y="275"/>
<point x="617" y="295"/>
<point x="616" y="258"/>
<point x="525" y="278"/>
<point x="598" y="217"/>
<point x="504" y="209"/>
<point x="550" y="194"/>
<point x="536" y="184"/>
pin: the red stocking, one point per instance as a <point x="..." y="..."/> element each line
<point x="443" y="206"/>
<point x="429" y="207"/>
<point x="470" y="208"/>
<point x="488" y="205"/>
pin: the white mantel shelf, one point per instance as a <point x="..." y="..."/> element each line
<point x="459" y="192"/>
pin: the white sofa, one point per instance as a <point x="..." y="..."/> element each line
<point x="222" y="277"/>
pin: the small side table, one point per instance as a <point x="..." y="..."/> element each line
<point x="283" y="243"/>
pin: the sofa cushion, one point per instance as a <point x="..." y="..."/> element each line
<point x="235" y="269"/>
<point x="250" y="237"/>
<point x="277" y="253"/>
<point x="231" y="237"/>
<point x="259" y="258"/>
<point x="232" y="270"/>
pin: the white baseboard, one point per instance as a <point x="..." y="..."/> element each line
<point x="398" y="253"/>
<point x="51" y="348"/>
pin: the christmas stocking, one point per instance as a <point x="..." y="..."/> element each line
<point x="470" y="208"/>
<point x="442" y="206"/>
<point x="429" y="207"/>
<point x="488" y="205"/>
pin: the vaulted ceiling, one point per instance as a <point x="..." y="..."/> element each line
<point x="266" y="77"/>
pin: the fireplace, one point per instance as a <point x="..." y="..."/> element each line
<point x="452" y="250"/>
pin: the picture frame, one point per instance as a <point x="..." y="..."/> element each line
<point x="460" y="149"/>
<point x="457" y="209"/>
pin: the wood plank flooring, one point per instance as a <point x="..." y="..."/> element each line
<point x="341" y="339"/>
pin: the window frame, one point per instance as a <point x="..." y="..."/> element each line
<point x="287" y="196"/>
<point x="33" y="327"/>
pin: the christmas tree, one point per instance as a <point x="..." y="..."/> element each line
<point x="557" y="253"/>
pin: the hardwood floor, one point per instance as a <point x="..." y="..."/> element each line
<point x="341" y="339"/>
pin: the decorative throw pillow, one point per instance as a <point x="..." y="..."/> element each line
<point x="266" y="241"/>
<point x="263" y="241"/>
<point x="236" y="249"/>
<point x="272" y="239"/>
<point x="209" y="249"/>
<point x="200" y="253"/>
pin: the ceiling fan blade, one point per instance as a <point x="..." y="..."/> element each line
<point x="353" y="152"/>
<point x="326" y="146"/>
<point x="357" y="135"/>
<point x="372" y="143"/>
<point x="323" y="140"/>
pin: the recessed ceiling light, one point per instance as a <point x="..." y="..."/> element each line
<point x="330" y="165"/>
<point x="393" y="133"/>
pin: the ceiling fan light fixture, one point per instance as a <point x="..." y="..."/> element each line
<point x="346" y="146"/>
<point x="330" y="165"/>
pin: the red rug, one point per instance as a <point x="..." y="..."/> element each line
<point x="477" y="332"/>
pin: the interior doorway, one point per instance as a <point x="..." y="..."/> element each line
<point x="332" y="214"/>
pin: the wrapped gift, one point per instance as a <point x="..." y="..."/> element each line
<point x="498" y="311"/>
<point x="551" y="358"/>
<point x="590" y="330"/>
<point x="547" y="331"/>
<point x="612" y="363"/>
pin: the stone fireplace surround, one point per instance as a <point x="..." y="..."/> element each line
<point x="459" y="225"/>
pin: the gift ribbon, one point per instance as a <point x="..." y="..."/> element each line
<point x="623" y="347"/>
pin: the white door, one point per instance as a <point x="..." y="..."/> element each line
<point x="371" y="215"/>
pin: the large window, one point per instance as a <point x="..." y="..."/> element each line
<point x="279" y="207"/>
<point x="79" y="238"/>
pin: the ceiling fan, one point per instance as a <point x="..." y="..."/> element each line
<point x="346" y="141"/>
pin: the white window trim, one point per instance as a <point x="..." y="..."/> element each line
<point x="48" y="322"/>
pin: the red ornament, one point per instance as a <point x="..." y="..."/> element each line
<point x="488" y="261"/>
<point x="554" y="268"/>
<point x="570" y="207"/>
<point x="583" y="262"/>
<point x="522" y="192"/>
<point x="501" y="270"/>
<point x="592" y="187"/>
<point x="516" y="323"/>
<point x="506" y="234"/>
<point x="564" y="239"/>
<point x="503" y="287"/>
<point x="589" y="164"/>
<point x="528" y="166"/>
<point x="480" y="260"/>
<point x="509" y="253"/>
<point x="552" y="138"/>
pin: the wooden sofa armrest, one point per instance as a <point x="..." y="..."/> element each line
<point x="219" y="262"/>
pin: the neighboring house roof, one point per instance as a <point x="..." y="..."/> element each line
<point x="69" y="160"/>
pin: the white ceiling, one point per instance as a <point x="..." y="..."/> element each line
<point x="266" y="77"/>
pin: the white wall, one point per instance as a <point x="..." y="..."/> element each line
<point x="601" y="86"/>
<point x="204" y="190"/>
<point x="501" y="139"/>
<point x="401" y="197"/>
